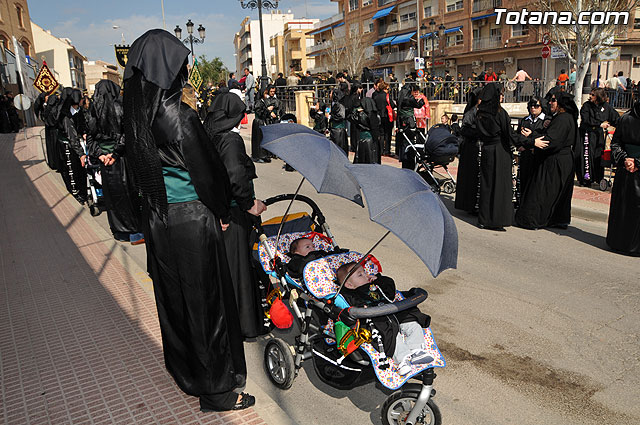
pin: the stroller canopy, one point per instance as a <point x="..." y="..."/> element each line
<point x="440" y="142"/>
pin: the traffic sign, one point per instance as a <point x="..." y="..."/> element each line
<point x="557" y="52"/>
<point x="22" y="102"/>
<point x="420" y="73"/>
<point x="546" y="51"/>
<point x="419" y="63"/>
<point x="546" y="38"/>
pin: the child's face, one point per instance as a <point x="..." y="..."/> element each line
<point x="358" y="279"/>
<point x="304" y="247"/>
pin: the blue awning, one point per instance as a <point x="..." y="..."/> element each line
<point x="403" y="38"/>
<point x="342" y="23"/>
<point x="426" y="35"/>
<point x="450" y="30"/>
<point x="314" y="54"/>
<point x="384" y="41"/>
<point x="383" y="12"/>
<point x="327" y="28"/>
<point x="475" y="18"/>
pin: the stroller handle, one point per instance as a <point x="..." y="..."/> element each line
<point x="417" y="296"/>
<point x="289" y="196"/>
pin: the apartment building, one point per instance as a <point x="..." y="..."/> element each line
<point x="247" y="41"/>
<point x="15" y="21"/>
<point x="459" y="35"/>
<point x="100" y="70"/>
<point x="290" y="47"/>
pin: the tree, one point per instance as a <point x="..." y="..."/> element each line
<point x="212" y="70"/>
<point x="348" y="51"/>
<point x="581" y="41"/>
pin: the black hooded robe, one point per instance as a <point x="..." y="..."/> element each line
<point x="546" y="201"/>
<point x="263" y="117"/>
<point x="69" y="144"/>
<point x="623" y="231"/>
<point x="43" y="109"/>
<point x="106" y="137"/>
<point x="225" y="113"/>
<point x="338" y="123"/>
<point x="201" y="338"/>
<point x="406" y="125"/>
<point x="592" y="141"/>
<point x="367" y="123"/>
<point x="468" y="167"/>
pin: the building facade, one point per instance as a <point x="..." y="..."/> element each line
<point x="100" y="70"/>
<point x="61" y="56"/>
<point x="291" y="45"/>
<point x="248" y="53"/>
<point x="15" y="21"/>
<point x="456" y="35"/>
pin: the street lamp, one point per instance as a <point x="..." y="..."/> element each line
<point x="190" y="39"/>
<point x="261" y="4"/>
<point x="421" y="31"/>
<point x="433" y="35"/>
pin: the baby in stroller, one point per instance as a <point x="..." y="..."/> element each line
<point x="402" y="332"/>
<point x="302" y="251"/>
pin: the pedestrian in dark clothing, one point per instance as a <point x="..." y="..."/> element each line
<point x="331" y="79"/>
<point x="468" y="163"/>
<point x="532" y="127"/>
<point x="338" y="122"/>
<point x="386" y="110"/>
<point x="267" y="112"/>
<point x="408" y="100"/>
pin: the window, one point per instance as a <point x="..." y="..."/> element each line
<point x="27" y="48"/>
<point x="496" y="33"/>
<point x="519" y="30"/>
<point x="454" y="40"/>
<point x="366" y="2"/>
<point x="428" y="11"/>
<point x="368" y="26"/>
<point x="453" y="5"/>
<point x="4" y="40"/>
<point x="353" y="4"/>
<point x="19" y="13"/>
<point x="476" y="33"/>
<point x="636" y="24"/>
<point x="408" y="16"/>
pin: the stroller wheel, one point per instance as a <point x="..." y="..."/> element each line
<point x="604" y="184"/>
<point x="278" y="363"/>
<point x="448" y="187"/>
<point x="94" y="210"/>
<point x="398" y="406"/>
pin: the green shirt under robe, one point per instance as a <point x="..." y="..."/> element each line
<point x="178" y="185"/>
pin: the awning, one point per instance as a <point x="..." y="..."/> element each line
<point x="403" y="38"/>
<point x="342" y="23"/>
<point x="475" y="18"/>
<point x="327" y="28"/>
<point x="426" y="35"/>
<point x="314" y="54"/>
<point x="450" y="30"/>
<point x="383" y="12"/>
<point x="384" y="41"/>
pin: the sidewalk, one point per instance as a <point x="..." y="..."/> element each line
<point x="79" y="336"/>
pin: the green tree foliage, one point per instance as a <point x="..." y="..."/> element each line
<point x="212" y="70"/>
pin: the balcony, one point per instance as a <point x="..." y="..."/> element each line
<point x="245" y="56"/>
<point x="410" y="24"/>
<point x="384" y="2"/>
<point x="482" y="5"/>
<point x="318" y="47"/>
<point x="330" y="21"/>
<point x="484" y="43"/>
<point x="245" y="42"/>
<point x="320" y="69"/>
<point x="401" y="56"/>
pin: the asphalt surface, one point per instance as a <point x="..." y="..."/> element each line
<point x="537" y="327"/>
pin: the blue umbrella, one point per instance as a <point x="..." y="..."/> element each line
<point x="314" y="156"/>
<point x="402" y="202"/>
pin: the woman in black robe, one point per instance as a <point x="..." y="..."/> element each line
<point x="105" y="144"/>
<point x="546" y="201"/>
<point x="185" y="194"/>
<point x="468" y="165"/>
<point x="386" y="105"/>
<point x="337" y="120"/>
<point x="532" y="127"/>
<point x="42" y="107"/>
<point x="365" y="119"/>
<point x="594" y="120"/>
<point x="408" y="101"/>
<point x="221" y="124"/>
<point x="69" y="122"/>
<point x="352" y="102"/>
<point x="623" y="232"/>
<point x="495" y="206"/>
<point x="267" y="111"/>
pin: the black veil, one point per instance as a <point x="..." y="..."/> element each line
<point x="103" y="107"/>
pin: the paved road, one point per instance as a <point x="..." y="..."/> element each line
<point x="538" y="327"/>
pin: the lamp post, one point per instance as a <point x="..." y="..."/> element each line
<point x="261" y="4"/>
<point x="432" y="24"/>
<point x="421" y="30"/>
<point x="190" y="39"/>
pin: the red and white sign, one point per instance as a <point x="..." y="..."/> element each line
<point x="546" y="38"/>
<point x="546" y="51"/>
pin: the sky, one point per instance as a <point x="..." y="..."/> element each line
<point x="89" y="24"/>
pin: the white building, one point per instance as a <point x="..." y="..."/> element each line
<point x="247" y="42"/>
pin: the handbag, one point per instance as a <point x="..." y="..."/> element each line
<point x="278" y="313"/>
<point x="245" y="120"/>
<point x="390" y="112"/>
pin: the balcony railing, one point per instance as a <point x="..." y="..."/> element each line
<point x="317" y="47"/>
<point x="397" y="26"/>
<point x="480" y="5"/>
<point x="244" y="42"/>
<point x="384" y="2"/>
<point x="484" y="43"/>
<point x="330" y="20"/>
<point x="245" y="56"/>
<point x="401" y="56"/>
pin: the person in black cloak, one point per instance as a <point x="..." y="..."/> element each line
<point x="546" y="201"/>
<point x="596" y="116"/>
<point x="221" y="124"/>
<point x="43" y="107"/>
<point x="68" y="120"/>
<point x="532" y="127"/>
<point x="495" y="206"/>
<point x="365" y="118"/>
<point x="623" y="231"/>
<point x="468" y="163"/>
<point x="407" y="101"/>
<point x="337" y="120"/>
<point x="319" y="117"/>
<point x="267" y="111"/>
<point x="105" y="145"/>
<point x="185" y="193"/>
<point x="351" y="103"/>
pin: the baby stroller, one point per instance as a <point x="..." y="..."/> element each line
<point x="95" y="196"/>
<point x="438" y="149"/>
<point x="316" y="309"/>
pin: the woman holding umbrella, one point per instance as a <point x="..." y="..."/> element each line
<point x="623" y="232"/>
<point x="223" y="119"/>
<point x="185" y="202"/>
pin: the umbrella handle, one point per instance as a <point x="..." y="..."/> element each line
<point x="286" y="213"/>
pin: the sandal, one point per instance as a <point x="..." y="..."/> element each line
<point x="245" y="402"/>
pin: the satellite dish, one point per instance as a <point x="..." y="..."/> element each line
<point x="22" y="102"/>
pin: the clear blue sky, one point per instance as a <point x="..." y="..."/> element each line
<point x="89" y="24"/>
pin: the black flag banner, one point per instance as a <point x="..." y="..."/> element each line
<point x="122" y="53"/>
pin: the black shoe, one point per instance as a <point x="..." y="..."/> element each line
<point x="245" y="402"/>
